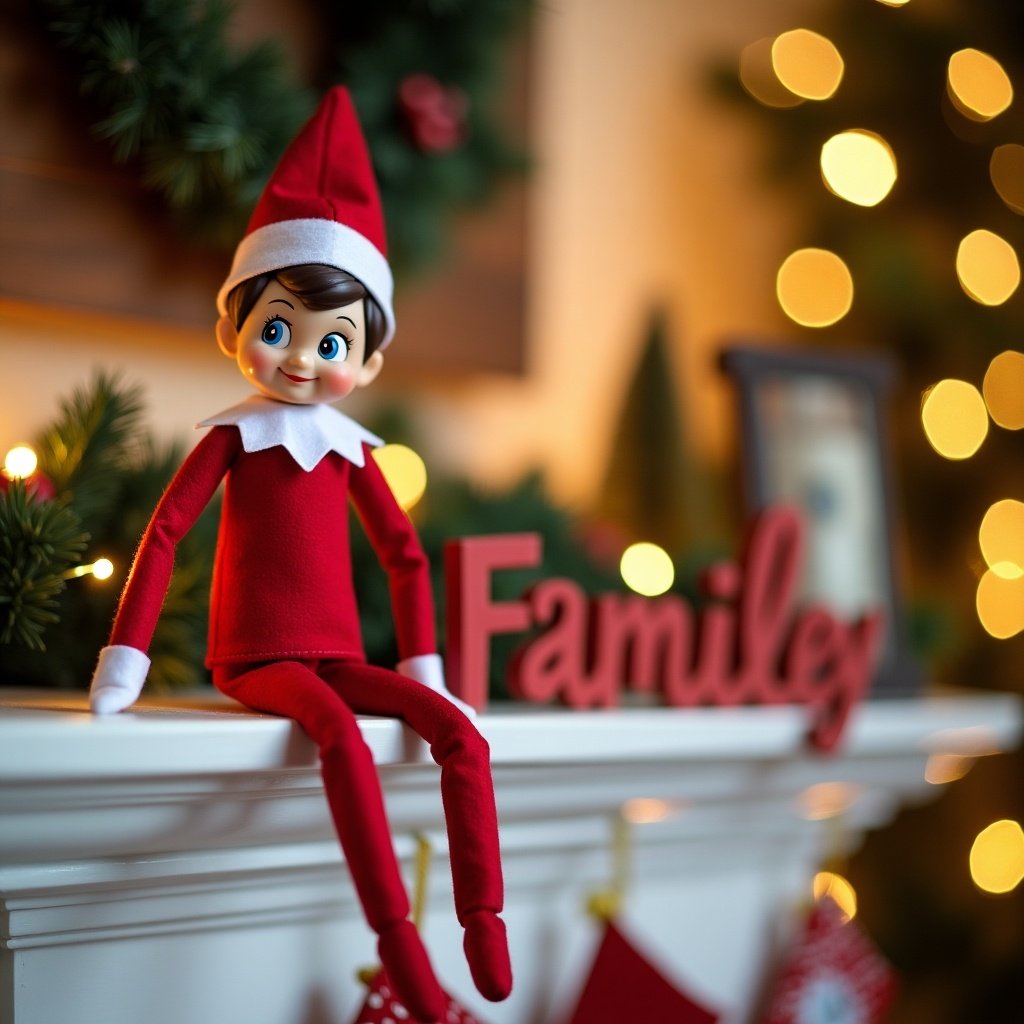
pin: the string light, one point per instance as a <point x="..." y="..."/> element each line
<point x="838" y="889"/>
<point x="101" y="569"/>
<point x="978" y="85"/>
<point x="20" y="462"/>
<point x="987" y="267"/>
<point x="955" y="419"/>
<point x="647" y="569"/>
<point x="757" y="76"/>
<point x="999" y="602"/>
<point x="1006" y="169"/>
<point x="858" y="166"/>
<point x="814" y="287"/>
<point x="997" y="857"/>
<point x="404" y="471"/>
<point x="1003" y="389"/>
<point x="1001" y="536"/>
<point x="807" y="64"/>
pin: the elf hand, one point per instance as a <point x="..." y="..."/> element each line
<point x="428" y="669"/>
<point x="117" y="681"/>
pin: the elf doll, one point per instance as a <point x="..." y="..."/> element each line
<point x="306" y="314"/>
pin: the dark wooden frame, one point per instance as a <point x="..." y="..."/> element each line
<point x="869" y="378"/>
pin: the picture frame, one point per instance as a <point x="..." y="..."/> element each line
<point x="814" y="434"/>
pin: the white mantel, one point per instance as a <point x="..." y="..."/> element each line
<point x="176" y="864"/>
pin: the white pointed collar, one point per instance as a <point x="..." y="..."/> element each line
<point x="308" y="432"/>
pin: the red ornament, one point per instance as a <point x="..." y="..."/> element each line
<point x="37" y="486"/>
<point x="834" y="975"/>
<point x="624" y="986"/>
<point x="434" y="114"/>
<point x="382" y="1007"/>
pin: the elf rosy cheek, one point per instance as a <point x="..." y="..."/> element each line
<point x="260" y="361"/>
<point x="339" y="380"/>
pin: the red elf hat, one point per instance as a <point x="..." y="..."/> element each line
<point x="321" y="205"/>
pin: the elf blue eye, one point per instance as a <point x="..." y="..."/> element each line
<point x="276" y="332"/>
<point x="331" y="345"/>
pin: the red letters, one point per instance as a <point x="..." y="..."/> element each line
<point x="745" y="645"/>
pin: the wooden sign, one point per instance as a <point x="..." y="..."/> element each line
<point x="746" y="644"/>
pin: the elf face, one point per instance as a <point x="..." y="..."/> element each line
<point x="299" y="355"/>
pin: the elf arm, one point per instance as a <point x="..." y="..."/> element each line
<point x="123" y="664"/>
<point x="398" y="547"/>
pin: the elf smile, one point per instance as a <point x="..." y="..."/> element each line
<point x="297" y="380"/>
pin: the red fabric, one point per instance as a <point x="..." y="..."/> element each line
<point x="282" y="582"/>
<point x="832" y="973"/>
<point x="326" y="173"/>
<point x="623" y="987"/>
<point x="323" y="697"/>
<point x="381" y="1006"/>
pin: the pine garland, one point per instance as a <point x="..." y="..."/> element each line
<point x="39" y="542"/>
<point x="205" y="124"/>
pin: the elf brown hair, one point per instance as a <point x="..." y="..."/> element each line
<point x="317" y="286"/>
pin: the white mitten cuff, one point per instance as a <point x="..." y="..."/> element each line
<point x="428" y="669"/>
<point x="117" y="681"/>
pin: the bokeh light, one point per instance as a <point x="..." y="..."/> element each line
<point x="1001" y="537"/>
<point x="404" y="471"/>
<point x="987" y="267"/>
<point x="1003" y="389"/>
<point x="894" y="3"/>
<point x="999" y="602"/>
<point x="977" y="84"/>
<point x="643" y="810"/>
<point x="20" y="462"/>
<point x="647" y="569"/>
<point x="757" y="76"/>
<point x="942" y="769"/>
<point x="1006" y="169"/>
<point x="103" y="568"/>
<point x="828" y="800"/>
<point x="955" y="419"/>
<point x="837" y="888"/>
<point x="807" y="64"/>
<point x="997" y="857"/>
<point x="814" y="287"/>
<point x="858" y="166"/>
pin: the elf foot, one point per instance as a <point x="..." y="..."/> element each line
<point x="486" y="946"/>
<point x="408" y="969"/>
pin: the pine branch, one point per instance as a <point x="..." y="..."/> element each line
<point x="39" y="542"/>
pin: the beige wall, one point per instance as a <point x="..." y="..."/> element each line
<point x="645" y="192"/>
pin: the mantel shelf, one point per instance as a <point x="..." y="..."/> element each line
<point x="189" y="826"/>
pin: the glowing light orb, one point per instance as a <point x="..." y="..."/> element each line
<point x="1006" y="169"/>
<point x="999" y="602"/>
<point x="858" y="166"/>
<point x="828" y="883"/>
<point x="1001" y="536"/>
<point x="103" y="568"/>
<point x="647" y="569"/>
<point x="807" y="63"/>
<point x="757" y="76"/>
<point x="404" y="471"/>
<point x="1003" y="389"/>
<point x="644" y="810"/>
<point x="955" y="419"/>
<point x="997" y="857"/>
<point x="814" y="287"/>
<point x="987" y="267"/>
<point x="20" y="462"/>
<point x="977" y="84"/>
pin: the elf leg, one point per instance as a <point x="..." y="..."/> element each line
<point x="468" y="796"/>
<point x="293" y="689"/>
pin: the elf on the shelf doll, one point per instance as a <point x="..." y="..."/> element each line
<point x="306" y="313"/>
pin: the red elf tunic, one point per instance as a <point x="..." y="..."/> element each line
<point x="285" y="639"/>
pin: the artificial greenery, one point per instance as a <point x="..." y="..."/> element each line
<point x="204" y="121"/>
<point x="108" y="475"/>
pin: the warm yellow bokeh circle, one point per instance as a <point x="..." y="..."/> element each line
<point x="997" y="857"/>
<point x="1001" y="536"/>
<point x="807" y="63"/>
<point x="978" y="85"/>
<point x="987" y="267"/>
<point x="858" y="166"/>
<point x="404" y="471"/>
<point x="814" y="287"/>
<point x="1003" y="389"/>
<point x="647" y="569"/>
<point x="955" y="419"/>
<point x="999" y="602"/>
